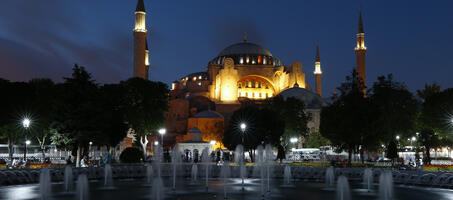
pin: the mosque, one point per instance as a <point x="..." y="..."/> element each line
<point x="241" y="73"/>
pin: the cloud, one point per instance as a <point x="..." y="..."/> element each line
<point x="45" y="39"/>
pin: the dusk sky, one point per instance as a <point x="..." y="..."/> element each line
<point x="411" y="39"/>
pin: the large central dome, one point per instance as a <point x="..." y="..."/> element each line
<point x="245" y="48"/>
<point x="245" y="53"/>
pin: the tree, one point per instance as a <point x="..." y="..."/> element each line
<point x="15" y="104"/>
<point x="434" y="121"/>
<point x="315" y="140"/>
<point x="77" y="109"/>
<point x="264" y="126"/>
<point x="113" y="127"/>
<point x="292" y="111"/>
<point x="396" y="108"/>
<point x="43" y="95"/>
<point x="144" y="106"/>
<point x="12" y="134"/>
<point x="346" y="121"/>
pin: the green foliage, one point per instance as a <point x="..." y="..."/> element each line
<point x="315" y="140"/>
<point x="131" y="155"/>
<point x="59" y="139"/>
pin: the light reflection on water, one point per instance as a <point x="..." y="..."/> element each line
<point x="138" y="190"/>
<point x="19" y="192"/>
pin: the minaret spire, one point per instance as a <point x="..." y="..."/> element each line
<point x="360" y="30"/>
<point x="140" y="6"/>
<point x="318" y="72"/>
<point x="318" y="59"/>
<point x="245" y="37"/>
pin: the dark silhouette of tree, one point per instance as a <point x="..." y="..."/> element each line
<point x="264" y="126"/>
<point x="292" y="112"/>
<point x="434" y="121"/>
<point x="347" y="120"/>
<point x="78" y="109"/>
<point x="43" y="95"/>
<point x="144" y="106"/>
<point x="395" y="110"/>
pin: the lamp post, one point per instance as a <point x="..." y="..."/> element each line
<point x="90" y="154"/>
<point x="413" y="140"/>
<point x="293" y="140"/>
<point x="26" y="124"/>
<point x="243" y="126"/>
<point x="162" y="132"/>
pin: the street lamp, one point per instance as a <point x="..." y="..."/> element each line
<point x="293" y="140"/>
<point x="243" y="127"/>
<point x="162" y="132"/>
<point x="397" y="137"/>
<point x="26" y="124"/>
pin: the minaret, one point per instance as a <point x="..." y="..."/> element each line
<point x="360" y="51"/>
<point x="318" y="72"/>
<point x="140" y="33"/>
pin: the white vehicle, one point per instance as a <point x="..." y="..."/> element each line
<point x="305" y="154"/>
<point x="330" y="153"/>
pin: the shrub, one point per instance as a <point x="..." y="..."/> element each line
<point x="131" y="155"/>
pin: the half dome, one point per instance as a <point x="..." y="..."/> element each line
<point x="311" y="99"/>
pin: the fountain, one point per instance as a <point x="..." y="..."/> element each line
<point x="194" y="173"/>
<point x="157" y="189"/>
<point x="44" y="184"/>
<point x="68" y="179"/>
<point x="258" y="169"/>
<point x="225" y="174"/>
<point x="268" y="157"/>
<point x="368" y="179"/>
<point x="157" y="159"/>
<point x="386" y="186"/>
<point x="205" y="160"/>
<point x="343" y="192"/>
<point x="287" y="175"/>
<point x="149" y="174"/>
<point x="82" y="187"/>
<point x="108" y="179"/>
<point x="239" y="160"/>
<point x="330" y="176"/>
<point x="175" y="161"/>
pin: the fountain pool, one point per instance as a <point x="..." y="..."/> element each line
<point x="138" y="189"/>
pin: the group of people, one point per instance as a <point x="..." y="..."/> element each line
<point x="18" y="163"/>
<point x="93" y="162"/>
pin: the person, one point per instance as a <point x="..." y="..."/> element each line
<point x="69" y="160"/>
<point x="14" y="163"/>
<point x="107" y="158"/>
<point x="83" y="162"/>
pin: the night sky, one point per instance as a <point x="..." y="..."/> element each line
<point x="411" y="39"/>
